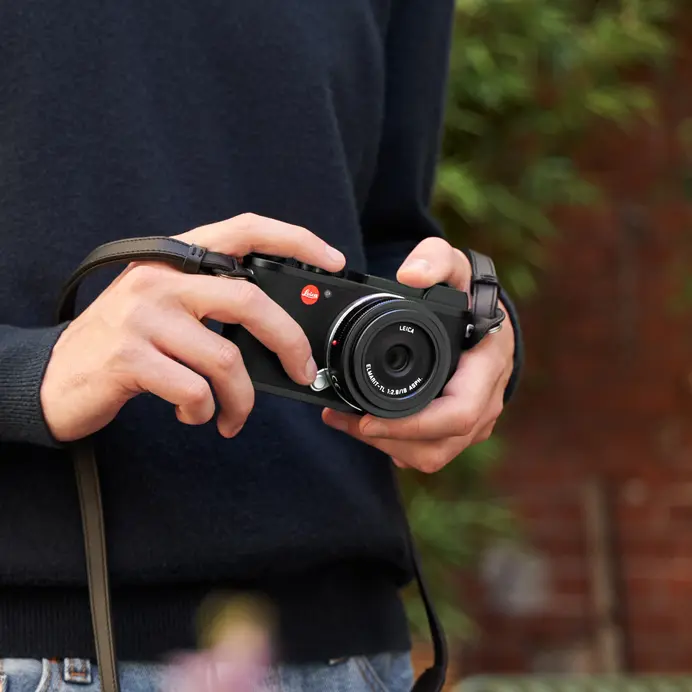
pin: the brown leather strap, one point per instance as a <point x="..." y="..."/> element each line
<point x="192" y="259"/>
<point x="187" y="258"/>
<point x="89" y="490"/>
<point x="487" y="316"/>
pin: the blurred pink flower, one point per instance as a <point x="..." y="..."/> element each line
<point x="237" y="656"/>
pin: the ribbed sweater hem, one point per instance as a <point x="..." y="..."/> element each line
<point x="337" y="612"/>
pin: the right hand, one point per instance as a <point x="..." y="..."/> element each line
<point x="144" y="333"/>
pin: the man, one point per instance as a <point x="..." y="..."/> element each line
<point x="305" y="129"/>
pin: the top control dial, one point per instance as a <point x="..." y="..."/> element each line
<point x="310" y="268"/>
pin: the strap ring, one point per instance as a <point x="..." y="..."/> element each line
<point x="485" y="280"/>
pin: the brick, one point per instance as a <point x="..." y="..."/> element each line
<point x="608" y="391"/>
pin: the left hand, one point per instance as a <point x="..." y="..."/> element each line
<point x="471" y="402"/>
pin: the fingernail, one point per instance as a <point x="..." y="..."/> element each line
<point x="334" y="254"/>
<point x="374" y="429"/>
<point x="417" y="265"/>
<point x="311" y="369"/>
<point x="338" y="423"/>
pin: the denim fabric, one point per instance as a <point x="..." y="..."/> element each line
<point x="381" y="673"/>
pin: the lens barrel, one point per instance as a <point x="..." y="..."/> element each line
<point x="388" y="356"/>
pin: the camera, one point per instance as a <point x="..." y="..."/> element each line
<point x="381" y="347"/>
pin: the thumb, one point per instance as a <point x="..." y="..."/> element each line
<point x="435" y="261"/>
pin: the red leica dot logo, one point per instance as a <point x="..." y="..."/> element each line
<point x="310" y="294"/>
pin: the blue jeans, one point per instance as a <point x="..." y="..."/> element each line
<point x="381" y="673"/>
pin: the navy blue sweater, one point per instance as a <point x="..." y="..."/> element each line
<point x="127" y="118"/>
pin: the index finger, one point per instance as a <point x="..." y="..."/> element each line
<point x="241" y="302"/>
<point x="249" y="233"/>
<point x="454" y="414"/>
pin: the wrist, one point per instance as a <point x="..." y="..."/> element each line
<point x="24" y="356"/>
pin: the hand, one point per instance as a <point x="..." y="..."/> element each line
<point x="472" y="400"/>
<point x="144" y="333"/>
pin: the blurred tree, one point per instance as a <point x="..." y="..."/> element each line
<point x="682" y="303"/>
<point x="528" y="79"/>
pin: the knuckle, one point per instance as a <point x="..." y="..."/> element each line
<point x="496" y="410"/>
<point x="465" y="425"/>
<point x="246" y="293"/>
<point x="134" y="315"/>
<point x="228" y="356"/>
<point x="466" y="421"/>
<point x="432" y="460"/>
<point x="246" y="220"/>
<point x="305" y="236"/>
<point x="196" y="392"/>
<point x="126" y="350"/>
<point x="143" y="277"/>
<point x="485" y="434"/>
<point x="412" y="428"/>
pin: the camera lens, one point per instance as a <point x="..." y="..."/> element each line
<point x="397" y="358"/>
<point x="390" y="356"/>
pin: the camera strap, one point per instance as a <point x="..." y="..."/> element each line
<point x="193" y="259"/>
<point x="485" y="290"/>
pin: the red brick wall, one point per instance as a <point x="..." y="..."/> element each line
<point x="608" y="394"/>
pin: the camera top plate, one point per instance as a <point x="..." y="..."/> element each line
<point x="441" y="293"/>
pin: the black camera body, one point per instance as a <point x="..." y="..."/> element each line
<point x="380" y="347"/>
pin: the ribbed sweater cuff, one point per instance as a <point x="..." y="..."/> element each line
<point x="24" y="355"/>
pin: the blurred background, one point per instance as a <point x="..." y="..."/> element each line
<point x="564" y="544"/>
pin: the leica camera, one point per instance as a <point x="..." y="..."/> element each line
<point x="381" y="347"/>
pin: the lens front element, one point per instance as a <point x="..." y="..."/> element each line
<point x="399" y="359"/>
<point x="388" y="356"/>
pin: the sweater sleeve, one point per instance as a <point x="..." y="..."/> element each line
<point x="396" y="215"/>
<point x="24" y="355"/>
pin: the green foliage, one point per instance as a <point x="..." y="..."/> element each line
<point x="528" y="80"/>
<point x="454" y="517"/>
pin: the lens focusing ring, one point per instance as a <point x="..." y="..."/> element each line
<point x="356" y="355"/>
